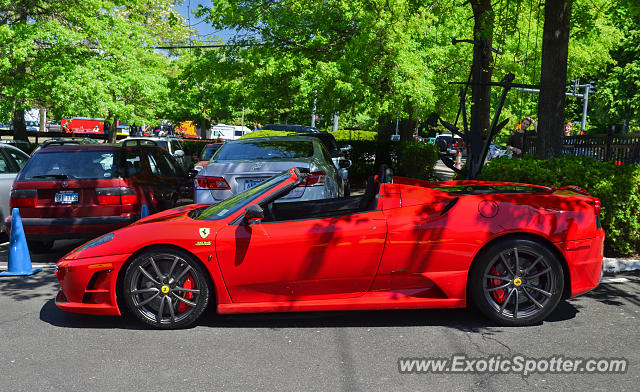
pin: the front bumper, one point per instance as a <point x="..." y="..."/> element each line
<point x="88" y="286"/>
<point x="584" y="260"/>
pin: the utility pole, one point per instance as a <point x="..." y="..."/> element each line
<point x="313" y="112"/>
<point x="573" y="92"/>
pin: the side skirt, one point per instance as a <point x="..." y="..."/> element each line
<point x="369" y="301"/>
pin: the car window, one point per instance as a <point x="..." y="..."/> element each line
<point x="5" y="166"/>
<point x="20" y="159"/>
<point x="208" y="151"/>
<point x="235" y="203"/>
<point x="165" y="165"/>
<point x="265" y="149"/>
<point x="325" y="153"/>
<point x="71" y="165"/>
<point x="175" y="145"/>
<point x="133" y="161"/>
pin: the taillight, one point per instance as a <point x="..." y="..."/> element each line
<point x="23" y="198"/>
<point x="116" y="195"/>
<point x="596" y="206"/>
<point x="210" y="182"/>
<point x="314" y="179"/>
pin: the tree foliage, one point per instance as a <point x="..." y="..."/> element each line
<point x="92" y="58"/>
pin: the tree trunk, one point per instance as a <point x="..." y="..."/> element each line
<point x="19" y="125"/>
<point x="43" y="118"/>
<point x="553" y="78"/>
<point x="406" y="128"/>
<point x="383" y="145"/>
<point x="113" y="131"/>
<point x="481" y="71"/>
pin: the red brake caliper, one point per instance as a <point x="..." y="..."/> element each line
<point x="188" y="284"/>
<point x="498" y="295"/>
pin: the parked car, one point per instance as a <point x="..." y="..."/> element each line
<point x="206" y="154"/>
<point x="172" y="144"/>
<point x="6" y="127"/>
<point x="87" y="190"/>
<point x="12" y="160"/>
<point x="514" y="251"/>
<point x="337" y="156"/>
<point x="53" y="126"/>
<point x="290" y="128"/>
<point x="24" y="145"/>
<point x="242" y="164"/>
<point x="32" y="126"/>
<point x="64" y="141"/>
<point x="449" y="145"/>
<point x="496" y="151"/>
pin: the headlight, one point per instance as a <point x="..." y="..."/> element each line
<point x="95" y="242"/>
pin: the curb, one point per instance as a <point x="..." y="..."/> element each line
<point x="611" y="265"/>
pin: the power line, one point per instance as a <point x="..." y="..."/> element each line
<point x="207" y="46"/>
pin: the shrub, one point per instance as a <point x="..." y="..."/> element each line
<point x="350" y="135"/>
<point x="617" y="187"/>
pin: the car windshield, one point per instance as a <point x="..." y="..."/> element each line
<point x="208" y="151"/>
<point x="241" y="200"/>
<point x="265" y="149"/>
<point x="71" y="165"/>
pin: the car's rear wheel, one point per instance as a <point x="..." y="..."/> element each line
<point x="166" y="288"/>
<point x="516" y="282"/>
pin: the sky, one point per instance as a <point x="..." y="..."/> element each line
<point x="205" y="29"/>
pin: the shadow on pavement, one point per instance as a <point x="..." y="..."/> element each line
<point x="461" y="319"/>
<point x="613" y="294"/>
<point x="22" y="288"/>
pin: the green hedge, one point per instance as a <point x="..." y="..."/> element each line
<point x="194" y="147"/>
<point x="617" y="187"/>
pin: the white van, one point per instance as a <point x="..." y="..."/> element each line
<point x="227" y="132"/>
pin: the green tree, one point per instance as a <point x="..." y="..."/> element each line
<point x="92" y="58"/>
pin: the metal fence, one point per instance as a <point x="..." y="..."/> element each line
<point x="620" y="148"/>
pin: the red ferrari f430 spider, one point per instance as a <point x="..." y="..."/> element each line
<point x="512" y="250"/>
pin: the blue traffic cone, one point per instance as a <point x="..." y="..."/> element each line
<point x="145" y="211"/>
<point x="19" y="259"/>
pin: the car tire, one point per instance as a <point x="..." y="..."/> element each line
<point x="516" y="282"/>
<point x="40" y="246"/>
<point x="347" y="189"/>
<point x="166" y="288"/>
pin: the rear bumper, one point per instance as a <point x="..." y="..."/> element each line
<point x="88" y="286"/>
<point x="584" y="260"/>
<point x="63" y="228"/>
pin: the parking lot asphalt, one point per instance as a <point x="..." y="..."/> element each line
<point x="46" y="349"/>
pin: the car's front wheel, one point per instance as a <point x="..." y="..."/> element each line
<point x="166" y="288"/>
<point x="516" y="282"/>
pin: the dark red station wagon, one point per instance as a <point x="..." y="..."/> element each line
<point x="87" y="190"/>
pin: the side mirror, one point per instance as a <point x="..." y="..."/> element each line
<point x="344" y="163"/>
<point x="345" y="148"/>
<point x="253" y="214"/>
<point x="178" y="153"/>
<point x="191" y="174"/>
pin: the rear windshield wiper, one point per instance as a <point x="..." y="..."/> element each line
<point x="56" y="176"/>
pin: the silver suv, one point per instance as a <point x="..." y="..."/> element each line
<point x="241" y="164"/>
<point x="170" y="143"/>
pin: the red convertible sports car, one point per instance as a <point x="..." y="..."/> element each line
<point x="512" y="250"/>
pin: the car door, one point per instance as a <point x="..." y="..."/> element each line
<point x="306" y="259"/>
<point x="11" y="161"/>
<point x="163" y="183"/>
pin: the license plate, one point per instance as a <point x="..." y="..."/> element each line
<point x="66" y="197"/>
<point x="251" y="183"/>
